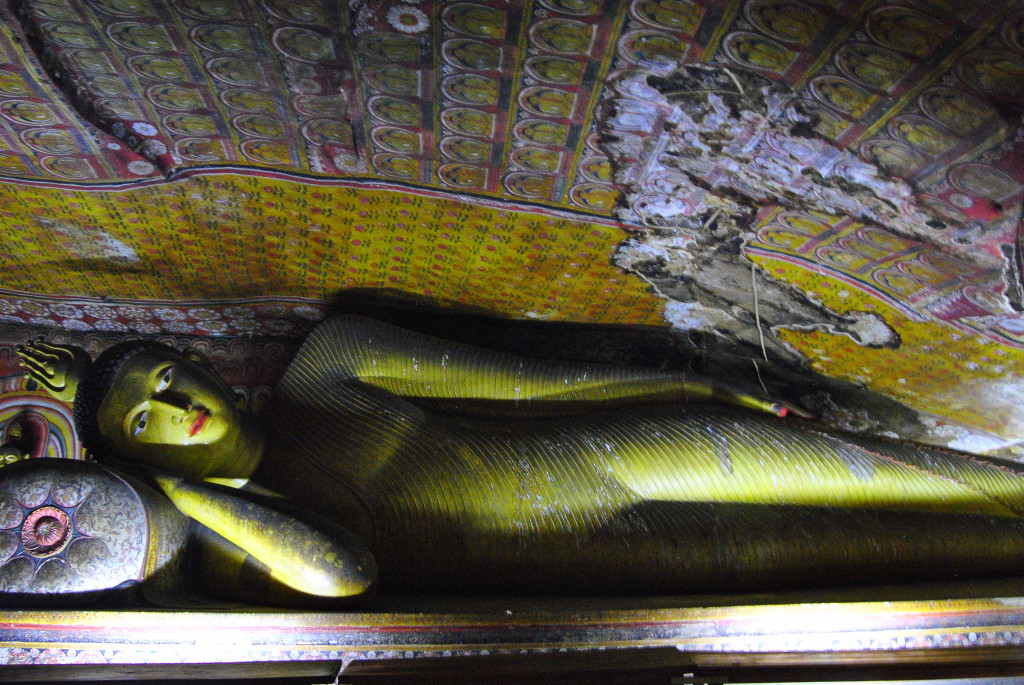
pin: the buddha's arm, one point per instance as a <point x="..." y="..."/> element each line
<point x="298" y="554"/>
<point x="414" y="365"/>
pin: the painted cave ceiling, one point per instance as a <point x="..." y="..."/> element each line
<point x="832" y="186"/>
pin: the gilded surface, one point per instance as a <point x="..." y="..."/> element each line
<point x="459" y="468"/>
<point x="649" y="497"/>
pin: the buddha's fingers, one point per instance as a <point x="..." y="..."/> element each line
<point x="40" y="373"/>
<point x="57" y="368"/>
<point x="42" y="376"/>
<point x="53" y="350"/>
<point x="38" y="358"/>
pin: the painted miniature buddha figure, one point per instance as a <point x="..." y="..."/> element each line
<point x="461" y="469"/>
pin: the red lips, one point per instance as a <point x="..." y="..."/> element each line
<point x="198" y="424"/>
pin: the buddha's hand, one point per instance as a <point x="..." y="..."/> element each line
<point x="57" y="368"/>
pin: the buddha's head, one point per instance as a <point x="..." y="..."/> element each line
<point x="146" y="403"/>
<point x="10" y="454"/>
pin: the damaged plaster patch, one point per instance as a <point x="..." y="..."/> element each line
<point x="966" y="438"/>
<point x="710" y="287"/>
<point x="704" y="138"/>
<point x="865" y="328"/>
<point x="700" y="153"/>
<point x="90" y="242"/>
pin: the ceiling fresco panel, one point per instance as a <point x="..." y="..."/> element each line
<point x="42" y="136"/>
<point x="190" y="167"/>
<point x="188" y="84"/>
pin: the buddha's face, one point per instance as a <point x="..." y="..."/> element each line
<point x="10" y="454"/>
<point x="173" y="414"/>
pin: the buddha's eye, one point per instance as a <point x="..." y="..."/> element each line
<point x="165" y="379"/>
<point x="140" y="423"/>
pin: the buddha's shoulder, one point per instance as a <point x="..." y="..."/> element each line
<point x="333" y="350"/>
<point x="348" y="327"/>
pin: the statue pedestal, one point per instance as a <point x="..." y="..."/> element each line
<point x="685" y="640"/>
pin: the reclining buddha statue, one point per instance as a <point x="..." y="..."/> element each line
<point x="395" y="460"/>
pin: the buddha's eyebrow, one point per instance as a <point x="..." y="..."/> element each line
<point x="136" y="410"/>
<point x="160" y="371"/>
